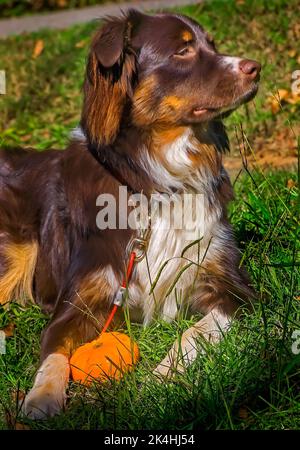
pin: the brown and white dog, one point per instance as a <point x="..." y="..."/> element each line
<point x="155" y="92"/>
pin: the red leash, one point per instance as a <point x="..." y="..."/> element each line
<point x="140" y="244"/>
<point x="122" y="291"/>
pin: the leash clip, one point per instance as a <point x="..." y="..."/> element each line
<point x="120" y="296"/>
<point x="136" y="252"/>
<point x="139" y="244"/>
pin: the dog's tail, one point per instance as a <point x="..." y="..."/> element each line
<point x="17" y="267"/>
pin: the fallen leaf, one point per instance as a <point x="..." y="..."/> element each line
<point x="21" y="426"/>
<point x="291" y="183"/>
<point x="62" y="3"/>
<point x="26" y="138"/>
<point x="292" y="53"/>
<point x="81" y="44"/>
<point x="38" y="48"/>
<point x="296" y="30"/>
<point x="9" y="419"/>
<point x="46" y="134"/>
<point x="12" y="424"/>
<point x="282" y="94"/>
<point x="293" y="99"/>
<point x="18" y="395"/>
<point x="275" y="100"/>
<point x="243" y="413"/>
<point x="9" y="330"/>
<point x="275" y="107"/>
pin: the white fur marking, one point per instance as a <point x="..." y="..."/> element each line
<point x="177" y="160"/>
<point x="167" y="243"/>
<point x="184" y="352"/>
<point x="109" y="274"/>
<point x="233" y="62"/>
<point x="77" y="134"/>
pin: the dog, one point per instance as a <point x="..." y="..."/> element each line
<point x="155" y="92"/>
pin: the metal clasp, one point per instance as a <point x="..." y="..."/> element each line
<point x="120" y="296"/>
<point x="139" y="243"/>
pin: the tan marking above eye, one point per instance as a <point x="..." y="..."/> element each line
<point x="187" y="36"/>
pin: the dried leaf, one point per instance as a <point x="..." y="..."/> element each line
<point x="26" y="138"/>
<point x="81" y="44"/>
<point x="292" y="53"/>
<point x="12" y="424"/>
<point x="274" y="100"/>
<point x="243" y="413"/>
<point x="9" y="419"/>
<point x="280" y="97"/>
<point x="296" y="30"/>
<point x="9" y="330"/>
<point x="275" y="106"/>
<point x="18" y="396"/>
<point x="291" y="183"/>
<point x="38" y="48"/>
<point x="21" y="426"/>
<point x="62" y="3"/>
<point x="294" y="98"/>
<point x="282" y="94"/>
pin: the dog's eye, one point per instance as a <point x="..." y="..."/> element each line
<point x="182" y="52"/>
<point x="185" y="51"/>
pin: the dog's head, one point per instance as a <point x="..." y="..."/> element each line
<point x="161" y="70"/>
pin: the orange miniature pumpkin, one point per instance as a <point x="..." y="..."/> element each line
<point x="109" y="356"/>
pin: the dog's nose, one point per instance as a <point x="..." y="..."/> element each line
<point x="250" y="68"/>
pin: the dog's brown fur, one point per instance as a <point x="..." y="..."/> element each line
<point x="150" y="121"/>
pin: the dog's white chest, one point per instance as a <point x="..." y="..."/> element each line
<point x="169" y="265"/>
<point x="194" y="214"/>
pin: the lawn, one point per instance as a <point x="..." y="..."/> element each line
<point x="13" y="8"/>
<point x="252" y="379"/>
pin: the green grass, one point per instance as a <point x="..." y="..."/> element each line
<point x="252" y="379"/>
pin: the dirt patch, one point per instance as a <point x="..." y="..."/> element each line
<point x="278" y="151"/>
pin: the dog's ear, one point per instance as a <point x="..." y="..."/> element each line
<point x="109" y="45"/>
<point x="109" y="80"/>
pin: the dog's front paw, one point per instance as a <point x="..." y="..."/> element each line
<point x="43" y="402"/>
<point x="48" y="395"/>
<point x="162" y="372"/>
<point x="167" y="369"/>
